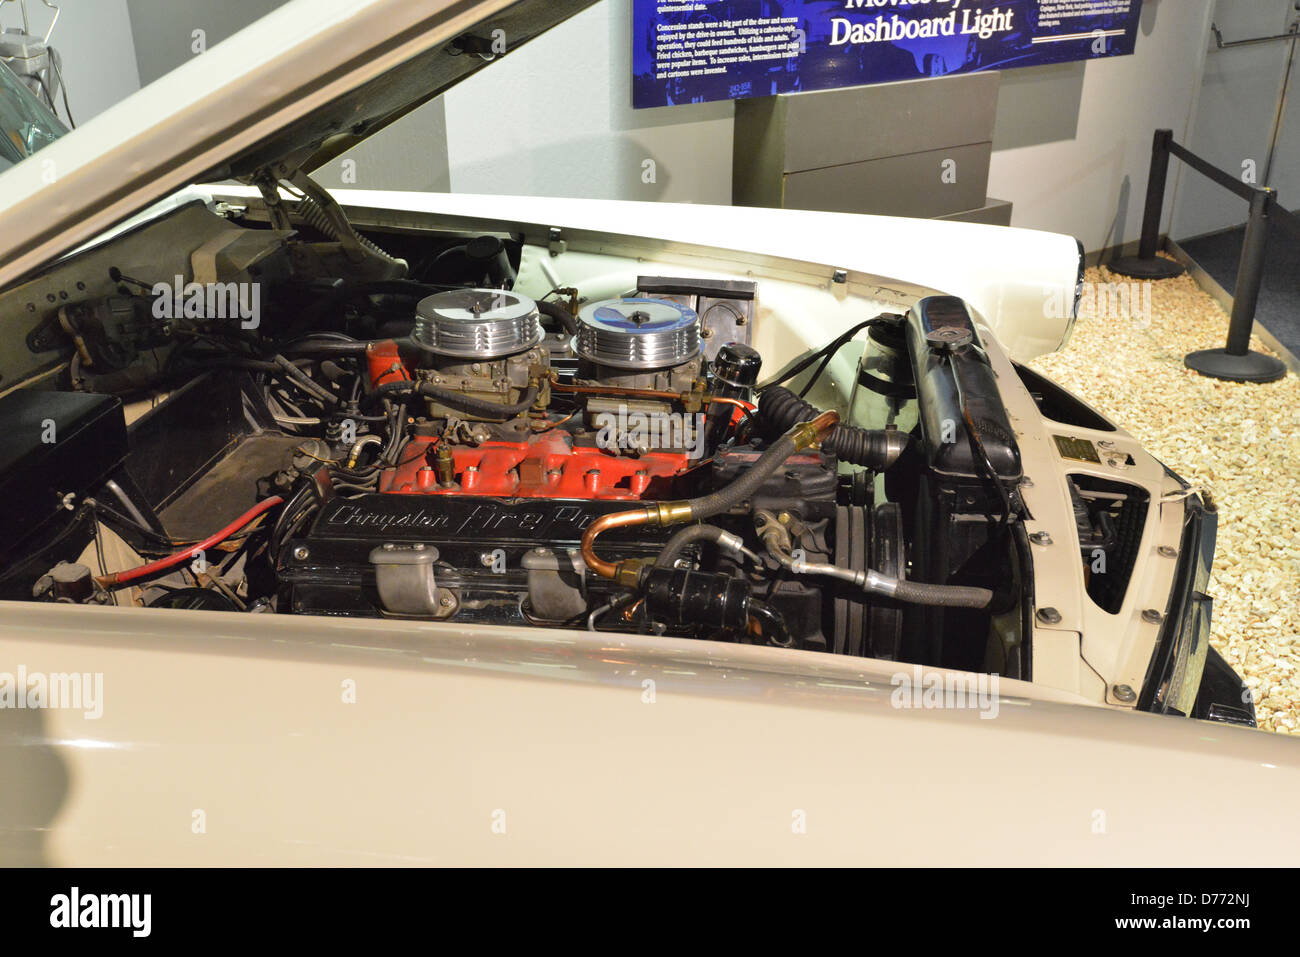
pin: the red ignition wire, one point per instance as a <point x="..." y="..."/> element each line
<point x="116" y="579"/>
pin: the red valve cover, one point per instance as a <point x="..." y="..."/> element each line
<point x="544" y="466"/>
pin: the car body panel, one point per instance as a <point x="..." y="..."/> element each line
<point x="732" y="754"/>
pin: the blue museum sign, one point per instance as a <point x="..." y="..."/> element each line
<point x="692" y="51"/>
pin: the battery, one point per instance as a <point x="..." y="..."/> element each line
<point x="52" y="444"/>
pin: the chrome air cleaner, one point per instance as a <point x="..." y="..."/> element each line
<point x="477" y="323"/>
<point x="637" y="333"/>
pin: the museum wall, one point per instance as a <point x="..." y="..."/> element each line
<point x="1071" y="144"/>
<point x="1092" y="183"/>
<point x="1233" y="119"/>
<point x="562" y="124"/>
<point x="409" y="155"/>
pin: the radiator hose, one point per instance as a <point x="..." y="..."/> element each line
<point x="876" y="449"/>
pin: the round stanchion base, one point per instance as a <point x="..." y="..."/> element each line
<point x="1138" y="268"/>
<point x="1221" y="364"/>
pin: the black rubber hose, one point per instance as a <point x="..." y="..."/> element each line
<point x="458" y="249"/>
<point x="827" y="350"/>
<point x="461" y="401"/>
<point x="715" y="503"/>
<point x="948" y="596"/>
<point x="391" y="388"/>
<point x="234" y="362"/>
<point x="327" y="347"/>
<point x="772" y="624"/>
<point x="304" y="381"/>
<point x="779" y="409"/>
<point x="866" y="447"/>
<point x="278" y="365"/>
<point x="685" y="536"/>
<point x="560" y="314"/>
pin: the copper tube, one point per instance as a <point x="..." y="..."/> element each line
<point x="824" y="423"/>
<point x="598" y="565"/>
<point x="724" y="400"/>
<point x="615" y="391"/>
<point x="611" y="390"/>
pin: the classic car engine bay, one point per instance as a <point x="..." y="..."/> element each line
<point x="399" y="433"/>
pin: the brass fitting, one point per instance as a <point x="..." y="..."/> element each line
<point x="697" y="398"/>
<point x="444" y="465"/>
<point x="629" y="571"/>
<point x="539" y="378"/>
<point x="808" y="434"/>
<point x="668" y="513"/>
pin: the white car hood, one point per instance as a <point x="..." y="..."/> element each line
<point x="223" y="103"/>
<point x="241" y="94"/>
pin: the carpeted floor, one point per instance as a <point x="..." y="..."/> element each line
<point x="1279" y="298"/>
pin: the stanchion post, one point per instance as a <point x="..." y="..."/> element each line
<point x="1146" y="264"/>
<point x="1236" y="362"/>
<point x="1250" y="274"/>
<point x="1157" y="180"/>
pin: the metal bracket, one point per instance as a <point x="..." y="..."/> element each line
<point x="1293" y="33"/>
<point x="556" y="242"/>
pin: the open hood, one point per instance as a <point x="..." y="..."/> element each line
<point x="297" y="88"/>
